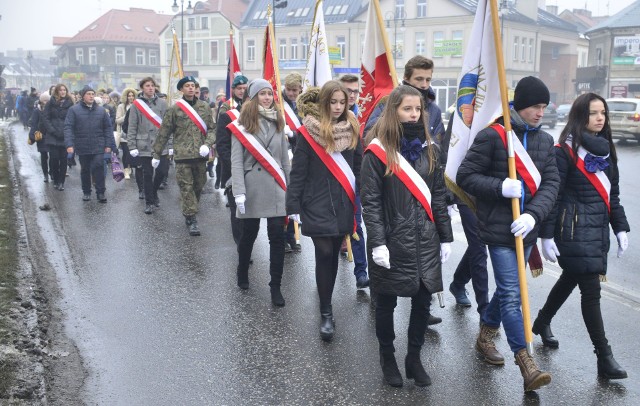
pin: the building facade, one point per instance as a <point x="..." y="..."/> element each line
<point x="115" y="51"/>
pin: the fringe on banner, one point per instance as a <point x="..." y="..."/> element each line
<point x="462" y="195"/>
<point x="535" y="262"/>
<point x="603" y="278"/>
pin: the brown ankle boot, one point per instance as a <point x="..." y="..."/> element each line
<point x="533" y="377"/>
<point x="486" y="346"/>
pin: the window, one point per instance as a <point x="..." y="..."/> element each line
<point x="422" y="8"/>
<point x="329" y="10"/>
<point x="204" y="23"/>
<point x="400" y="9"/>
<point x="294" y="49"/>
<point x="227" y="50"/>
<point x="305" y="12"/>
<point x="523" y="50"/>
<point x="251" y="50"/>
<point x="153" y="57"/>
<point x="139" y="56"/>
<point x="169" y="48"/>
<point x="599" y="56"/>
<point x="555" y="52"/>
<point x="198" y="56"/>
<point x="126" y="27"/>
<point x="458" y="35"/>
<point x="343" y="10"/>
<point x="531" y="50"/>
<point x="420" y="42"/>
<point x="298" y="12"/>
<point x="93" y="56"/>
<point x="185" y="54"/>
<point x="438" y="37"/>
<point x="305" y="47"/>
<point x="282" y="49"/>
<point x="120" y="59"/>
<point x="191" y="23"/>
<point x="399" y="45"/>
<point x="256" y="15"/>
<point x="79" y="56"/>
<point x="342" y="44"/>
<point x="213" y="51"/>
<point x="516" y="44"/>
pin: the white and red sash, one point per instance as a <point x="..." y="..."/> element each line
<point x="524" y="165"/>
<point x="291" y="118"/>
<point x="234" y="114"/>
<point x="407" y="175"/>
<point x="148" y="113"/>
<point x="251" y="144"/>
<point x="599" y="179"/>
<point x="193" y="115"/>
<point x="338" y="167"/>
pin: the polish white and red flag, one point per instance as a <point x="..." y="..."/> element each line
<point x="377" y="72"/>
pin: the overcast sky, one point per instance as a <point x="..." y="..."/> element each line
<point x="31" y="24"/>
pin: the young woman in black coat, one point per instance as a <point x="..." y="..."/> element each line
<point x="576" y="233"/>
<point x="53" y="117"/>
<point x="314" y="196"/>
<point x="407" y="240"/>
<point x="36" y="124"/>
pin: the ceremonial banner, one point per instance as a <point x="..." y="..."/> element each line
<point x="233" y="68"/>
<point x="318" y="66"/>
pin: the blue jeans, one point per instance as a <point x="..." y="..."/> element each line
<point x="505" y="304"/>
<point x="473" y="265"/>
<point x="358" y="247"/>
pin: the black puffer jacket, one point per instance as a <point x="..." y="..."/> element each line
<point x="485" y="167"/>
<point x="54" y="114"/>
<point x="395" y="218"/>
<point x="580" y="220"/>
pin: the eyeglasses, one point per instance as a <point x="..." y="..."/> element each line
<point x="351" y="91"/>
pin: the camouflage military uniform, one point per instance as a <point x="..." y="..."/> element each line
<point x="191" y="170"/>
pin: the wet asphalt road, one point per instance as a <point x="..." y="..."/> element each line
<point x="158" y="318"/>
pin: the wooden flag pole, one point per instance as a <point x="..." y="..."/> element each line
<point x="274" y="58"/>
<point x="515" y="202"/>
<point x="231" y="67"/>
<point x="177" y="48"/>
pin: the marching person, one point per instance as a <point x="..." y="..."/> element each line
<point x="576" y="233"/>
<point x="145" y="119"/>
<point x="260" y="174"/>
<point x="223" y="147"/>
<point x="88" y="134"/>
<point x="324" y="176"/>
<point x="128" y="97"/>
<point x="36" y="126"/>
<point x="484" y="174"/>
<point x="191" y="124"/>
<point x="53" y="118"/>
<point x="408" y="227"/>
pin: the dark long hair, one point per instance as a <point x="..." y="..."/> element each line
<point x="56" y="92"/>
<point x="578" y="120"/>
<point x="388" y="128"/>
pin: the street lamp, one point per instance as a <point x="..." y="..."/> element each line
<point x="30" y="58"/>
<point x="175" y="9"/>
<point x="398" y="16"/>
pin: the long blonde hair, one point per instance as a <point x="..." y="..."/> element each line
<point x="324" y="108"/>
<point x="388" y="129"/>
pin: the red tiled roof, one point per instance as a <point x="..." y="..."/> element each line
<point x="60" y="40"/>
<point x="232" y="10"/>
<point x="136" y="25"/>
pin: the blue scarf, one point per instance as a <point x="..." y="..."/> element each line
<point x="412" y="141"/>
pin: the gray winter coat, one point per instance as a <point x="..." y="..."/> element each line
<point x="265" y="198"/>
<point x="141" y="132"/>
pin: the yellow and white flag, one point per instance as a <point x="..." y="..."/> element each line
<point x="478" y="101"/>
<point x="318" y="67"/>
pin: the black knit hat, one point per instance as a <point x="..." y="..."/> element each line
<point x="529" y="92"/>
<point x="184" y="80"/>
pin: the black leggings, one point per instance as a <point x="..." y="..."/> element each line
<point x="58" y="164"/>
<point x="250" y="228"/>
<point x="327" y="255"/>
<point x="590" y="302"/>
<point x="44" y="163"/>
<point x="126" y="156"/>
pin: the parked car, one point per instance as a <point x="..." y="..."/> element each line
<point x="563" y="112"/>
<point x="624" y="118"/>
<point x="550" y="117"/>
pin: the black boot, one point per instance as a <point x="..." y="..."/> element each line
<point x="148" y="209"/>
<point x="544" y="331"/>
<point x="414" y="369"/>
<point x="243" y="279"/>
<point x="276" y="296"/>
<point x="608" y="367"/>
<point x="327" y="326"/>
<point x="390" y="369"/>
<point x="193" y="226"/>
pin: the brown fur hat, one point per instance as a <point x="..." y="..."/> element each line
<point x="308" y="103"/>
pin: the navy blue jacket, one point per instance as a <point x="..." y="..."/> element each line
<point x="88" y="129"/>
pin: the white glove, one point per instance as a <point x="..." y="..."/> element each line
<point x="134" y="153"/>
<point x="523" y="225"/>
<point x="171" y="151"/>
<point x="623" y="242"/>
<point x="452" y="209"/>
<point x="155" y="163"/>
<point x="287" y="131"/>
<point x="511" y="188"/>
<point x="204" y="151"/>
<point x="380" y="256"/>
<point x="550" y="250"/>
<point x="445" y="251"/>
<point x="240" y="201"/>
<point x="295" y="217"/>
